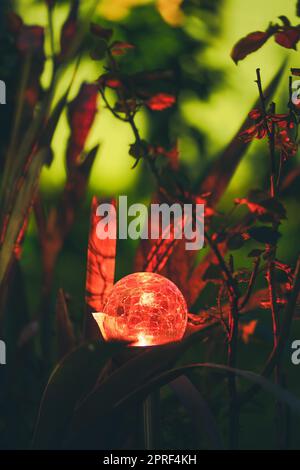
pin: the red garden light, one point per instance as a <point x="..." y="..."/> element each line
<point x="143" y="308"/>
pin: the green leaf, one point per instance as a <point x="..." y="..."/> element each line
<point x="235" y="242"/>
<point x="213" y="273"/>
<point x="16" y="205"/>
<point x="128" y="377"/>
<point x="264" y="234"/>
<point x="24" y="197"/>
<point x="199" y="410"/>
<point x="255" y="253"/>
<point x="139" y="149"/>
<point x="110" y="399"/>
<point x="99" y="50"/>
<point x="71" y="380"/>
<point x="65" y="331"/>
<point x="281" y="394"/>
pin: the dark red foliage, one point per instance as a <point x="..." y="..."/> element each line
<point x="29" y="42"/>
<point x="120" y="48"/>
<point x="288" y="37"/>
<point x="283" y="128"/>
<point x="260" y="203"/>
<point x="172" y="155"/>
<point x="69" y="30"/>
<point x="14" y="22"/>
<point x="109" y="80"/>
<point x="101" y="32"/>
<point x="250" y="43"/>
<point x="285" y="35"/>
<point x="100" y="264"/>
<point x="19" y="242"/>
<point x="160" y="102"/>
<point x="288" y="148"/>
<point x="256" y="131"/>
<point x="31" y="39"/>
<point x="81" y="114"/>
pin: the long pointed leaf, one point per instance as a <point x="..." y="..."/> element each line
<point x="100" y="273"/>
<point x="70" y="381"/>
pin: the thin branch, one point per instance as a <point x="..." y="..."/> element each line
<point x="228" y="275"/>
<point x="251" y="284"/>
<point x="270" y="132"/>
<point x="283" y="337"/>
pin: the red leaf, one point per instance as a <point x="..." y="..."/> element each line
<point x="14" y="22"/>
<point x="69" y="29"/>
<point x="255" y="114"/>
<point x="172" y="155"/>
<point x="75" y="191"/>
<point x="110" y="80"/>
<point x="31" y="38"/>
<point x="81" y="114"/>
<point x="100" y="264"/>
<point x="288" y="37"/>
<point x="160" y="102"/>
<point x="100" y="32"/>
<point x="113" y="83"/>
<point x="166" y="256"/>
<point x="19" y="242"/>
<point x="120" y="48"/>
<point x="247" y="330"/>
<point x="152" y="255"/>
<point x="250" y="43"/>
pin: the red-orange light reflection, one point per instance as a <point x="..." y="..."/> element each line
<point x="145" y="309"/>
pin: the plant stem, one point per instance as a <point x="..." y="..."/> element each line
<point x="232" y="357"/>
<point x="150" y="421"/>
<point x="274" y="181"/>
<point x="277" y="352"/>
<point x="251" y="284"/>
<point x="233" y="294"/>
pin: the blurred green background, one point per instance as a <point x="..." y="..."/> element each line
<point x="193" y="38"/>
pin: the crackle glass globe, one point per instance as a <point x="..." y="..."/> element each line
<point x="145" y="309"/>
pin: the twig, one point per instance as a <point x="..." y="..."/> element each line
<point x="219" y="302"/>
<point x="282" y="339"/>
<point x="233" y="294"/>
<point x="270" y="132"/>
<point x="232" y="357"/>
<point x="228" y="275"/>
<point x="251" y="284"/>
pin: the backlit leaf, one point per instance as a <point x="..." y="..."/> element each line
<point x="100" y="274"/>
<point x="250" y="43"/>
<point x="81" y="114"/>
<point x="72" y="379"/>
<point x="160" y="102"/>
<point x="65" y="332"/>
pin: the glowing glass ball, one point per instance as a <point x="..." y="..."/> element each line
<point x="145" y="309"/>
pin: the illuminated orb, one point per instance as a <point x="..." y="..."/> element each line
<point x="145" y="309"/>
